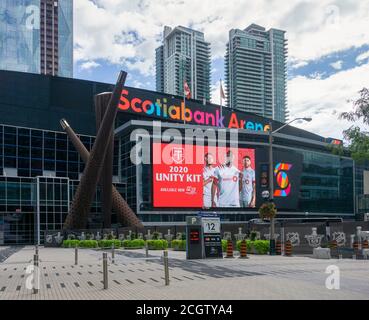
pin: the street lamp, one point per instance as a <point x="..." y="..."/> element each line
<point x="271" y="175"/>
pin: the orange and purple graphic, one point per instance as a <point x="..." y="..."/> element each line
<point x="280" y="172"/>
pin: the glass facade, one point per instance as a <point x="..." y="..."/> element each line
<point x="327" y="185"/>
<point x="255" y="72"/>
<point x="52" y="203"/>
<point x="17" y="210"/>
<point x="65" y="35"/>
<point x="20" y="35"/>
<point x="39" y="174"/>
<point x="184" y="56"/>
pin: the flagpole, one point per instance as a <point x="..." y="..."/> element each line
<point x="221" y="102"/>
<point x="184" y="105"/>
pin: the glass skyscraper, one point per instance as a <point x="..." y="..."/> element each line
<point x="256" y="71"/>
<point x="36" y="36"/>
<point x="184" y="56"/>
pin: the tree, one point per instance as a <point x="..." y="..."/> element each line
<point x="268" y="211"/>
<point x="358" y="140"/>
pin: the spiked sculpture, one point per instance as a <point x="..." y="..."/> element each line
<point x="106" y="176"/>
<point x="125" y="214"/>
<point x="78" y="214"/>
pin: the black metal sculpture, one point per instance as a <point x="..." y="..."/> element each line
<point x="125" y="214"/>
<point x="78" y="214"/>
<point x="106" y="176"/>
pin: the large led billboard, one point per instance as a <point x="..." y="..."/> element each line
<point x="188" y="176"/>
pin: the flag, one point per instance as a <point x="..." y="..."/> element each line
<point x="187" y="91"/>
<point x="222" y="95"/>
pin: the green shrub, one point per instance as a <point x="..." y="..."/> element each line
<point x="179" y="245"/>
<point x="260" y="246"/>
<point x="157" y="244"/>
<point x="109" y="243"/>
<point x="71" y="243"/>
<point x="88" y="244"/>
<point x="224" y="245"/>
<point x="134" y="244"/>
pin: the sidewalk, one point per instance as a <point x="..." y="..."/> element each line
<point x="132" y="277"/>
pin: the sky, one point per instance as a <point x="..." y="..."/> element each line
<point x="328" y="46"/>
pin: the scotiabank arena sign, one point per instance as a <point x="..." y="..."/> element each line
<point x="166" y="108"/>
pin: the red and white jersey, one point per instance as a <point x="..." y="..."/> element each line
<point x="208" y="173"/>
<point x="248" y="180"/>
<point x="228" y="184"/>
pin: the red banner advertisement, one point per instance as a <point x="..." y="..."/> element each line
<point x="187" y="176"/>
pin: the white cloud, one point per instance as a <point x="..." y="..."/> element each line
<point x="362" y="57"/>
<point x="337" y="65"/>
<point x="317" y="75"/>
<point x="126" y="32"/>
<point x="89" y="65"/>
<point x="324" y="100"/>
<point x="298" y="64"/>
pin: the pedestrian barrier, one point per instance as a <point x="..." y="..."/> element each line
<point x="356" y="246"/>
<point x="36" y="274"/>
<point x="288" y="249"/>
<point x="146" y="250"/>
<point x="334" y="244"/>
<point x="105" y="270"/>
<point x="229" y="249"/>
<point x="243" y="250"/>
<point x="365" y="244"/>
<point x="112" y="254"/>
<point x="166" y="268"/>
<point x="279" y="248"/>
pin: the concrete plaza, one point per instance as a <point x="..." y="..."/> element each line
<point x="132" y="276"/>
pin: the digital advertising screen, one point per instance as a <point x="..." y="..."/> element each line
<point x="190" y="176"/>
<point x="287" y="171"/>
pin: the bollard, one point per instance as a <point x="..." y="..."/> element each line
<point x="288" y="249"/>
<point x="334" y="244"/>
<point x="76" y="256"/>
<point x="340" y="256"/>
<point x="36" y="273"/>
<point x="105" y="270"/>
<point x="278" y="248"/>
<point x="356" y="246"/>
<point x="365" y="244"/>
<point x="229" y="249"/>
<point x="36" y="249"/>
<point x="113" y="254"/>
<point x="243" y="250"/>
<point x="166" y="268"/>
<point x="146" y="250"/>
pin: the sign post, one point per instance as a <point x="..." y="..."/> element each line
<point x="212" y="237"/>
<point x="203" y="237"/>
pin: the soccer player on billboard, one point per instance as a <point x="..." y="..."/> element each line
<point x="227" y="180"/>
<point x="208" y="178"/>
<point x="248" y="191"/>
